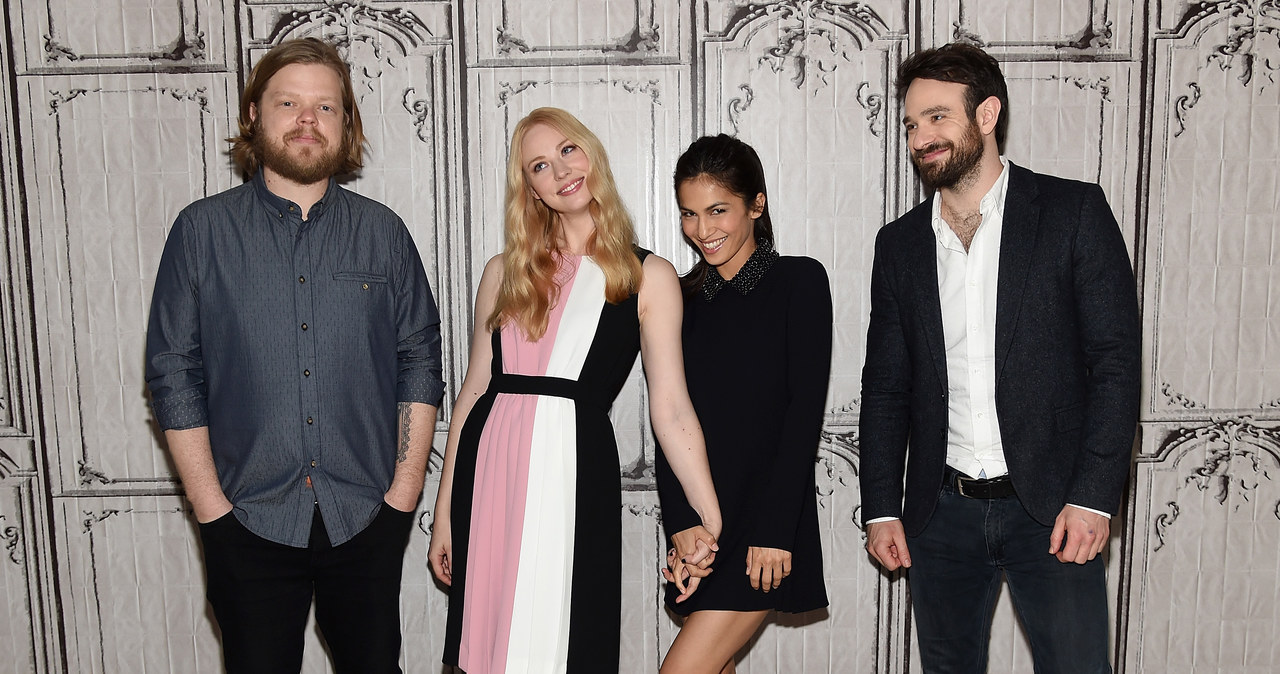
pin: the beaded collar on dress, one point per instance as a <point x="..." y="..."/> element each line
<point x="746" y="278"/>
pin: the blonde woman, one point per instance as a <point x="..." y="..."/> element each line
<point x="527" y="529"/>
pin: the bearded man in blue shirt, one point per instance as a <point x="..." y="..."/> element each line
<point x="293" y="357"/>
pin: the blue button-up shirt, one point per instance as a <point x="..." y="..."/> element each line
<point x="293" y="340"/>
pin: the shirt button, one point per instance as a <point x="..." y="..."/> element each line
<point x="309" y="420"/>
<point x="302" y="279"/>
<point x="304" y="326"/>
<point x="291" y="209"/>
<point x="306" y="373"/>
<point x="313" y="464"/>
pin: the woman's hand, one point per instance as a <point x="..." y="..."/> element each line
<point x="441" y="551"/>
<point x="766" y="567"/>
<point x="690" y="560"/>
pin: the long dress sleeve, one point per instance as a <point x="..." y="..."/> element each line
<point x="808" y="354"/>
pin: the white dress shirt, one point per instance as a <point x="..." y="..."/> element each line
<point x="967" y="290"/>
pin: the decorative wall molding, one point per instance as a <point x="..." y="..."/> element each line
<point x="1095" y="34"/>
<point x="345" y="23"/>
<point x="188" y="46"/>
<point x="546" y="32"/>
<point x="1176" y="399"/>
<point x="181" y="36"/>
<point x="1252" y="40"/>
<point x="8" y="466"/>
<point x="813" y="36"/>
<point x="1229" y="459"/>
<point x="12" y="538"/>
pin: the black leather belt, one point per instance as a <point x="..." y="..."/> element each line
<point x="972" y="487"/>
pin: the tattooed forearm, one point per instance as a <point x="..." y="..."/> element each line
<point x="406" y="414"/>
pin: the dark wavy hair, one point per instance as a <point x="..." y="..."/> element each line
<point x="735" y="166"/>
<point x="304" y="50"/>
<point x="963" y="64"/>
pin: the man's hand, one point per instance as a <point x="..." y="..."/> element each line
<point x="887" y="543"/>
<point x="1085" y="532"/>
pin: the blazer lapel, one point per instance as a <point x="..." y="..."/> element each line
<point x="922" y="260"/>
<point x="1017" y="244"/>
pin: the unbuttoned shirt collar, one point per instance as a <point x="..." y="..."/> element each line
<point x="991" y="206"/>
<point x="747" y="277"/>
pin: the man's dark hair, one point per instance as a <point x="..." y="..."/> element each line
<point x="963" y="64"/>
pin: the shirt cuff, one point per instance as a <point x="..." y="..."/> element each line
<point x="1106" y="515"/>
<point x="422" y="389"/>
<point x="881" y="519"/>
<point x="180" y="411"/>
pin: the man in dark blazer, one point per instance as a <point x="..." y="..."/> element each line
<point x="1000" y="390"/>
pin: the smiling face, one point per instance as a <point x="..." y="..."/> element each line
<point x="302" y="135"/>
<point x="720" y="223"/>
<point x="946" y="142"/>
<point x="556" y="170"/>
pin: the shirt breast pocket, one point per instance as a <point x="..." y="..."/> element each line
<point x="363" y="294"/>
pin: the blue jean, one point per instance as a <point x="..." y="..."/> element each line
<point x="954" y="580"/>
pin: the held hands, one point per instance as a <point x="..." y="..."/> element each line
<point x="766" y="567"/>
<point x="690" y="560"/>
<point x="887" y="543"/>
<point x="1085" y="532"/>
<point x="440" y="554"/>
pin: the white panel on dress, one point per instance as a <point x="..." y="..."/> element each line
<point x="544" y="581"/>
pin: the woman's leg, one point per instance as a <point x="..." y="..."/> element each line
<point x="708" y="640"/>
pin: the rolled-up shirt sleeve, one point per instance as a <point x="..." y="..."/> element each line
<point x="420" y="377"/>
<point x="175" y="368"/>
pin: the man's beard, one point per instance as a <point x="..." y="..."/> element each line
<point x="958" y="169"/>
<point x="309" y="166"/>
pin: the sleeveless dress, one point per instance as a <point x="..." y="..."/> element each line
<point x="537" y="494"/>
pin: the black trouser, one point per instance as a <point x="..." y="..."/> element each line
<point x="261" y="594"/>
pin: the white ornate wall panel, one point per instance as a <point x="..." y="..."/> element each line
<point x="66" y="36"/>
<point x="1042" y="31"/>
<point x="114" y="115"/>
<point x="1207" y="526"/>
<point x="109" y="159"/>
<point x="1213" y="325"/>
<point x="507" y="32"/>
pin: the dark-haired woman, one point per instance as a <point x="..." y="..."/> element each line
<point x="757" y="355"/>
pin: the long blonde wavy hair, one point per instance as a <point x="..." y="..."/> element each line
<point x="528" y="290"/>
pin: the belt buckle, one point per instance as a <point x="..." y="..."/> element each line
<point x="960" y="480"/>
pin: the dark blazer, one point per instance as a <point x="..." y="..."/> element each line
<point x="1067" y="357"/>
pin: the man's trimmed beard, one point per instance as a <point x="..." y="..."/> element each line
<point x="315" y="164"/>
<point x="959" y="168"/>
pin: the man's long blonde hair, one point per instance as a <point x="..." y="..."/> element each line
<point x="528" y="289"/>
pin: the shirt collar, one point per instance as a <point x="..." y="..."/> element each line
<point x="279" y="206"/>
<point x="746" y="279"/>
<point x="992" y="202"/>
